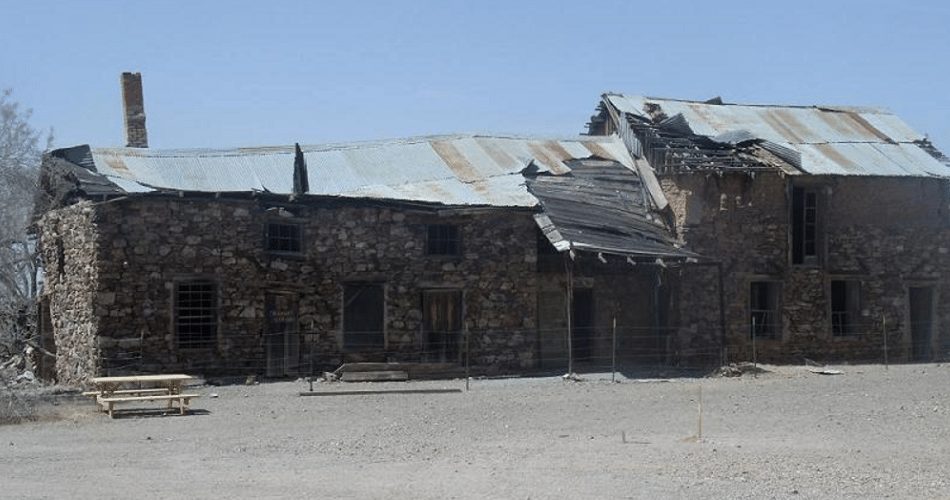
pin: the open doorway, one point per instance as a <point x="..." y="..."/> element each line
<point x="582" y="324"/>
<point x="921" y="301"/>
<point x="281" y="339"/>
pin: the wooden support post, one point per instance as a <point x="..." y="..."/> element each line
<point x="570" y="305"/>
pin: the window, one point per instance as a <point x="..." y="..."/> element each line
<point x="442" y="239"/>
<point x="363" y="317"/>
<point x="845" y="307"/>
<point x="196" y="314"/>
<point x="284" y="237"/>
<point x="765" y="319"/>
<point x="804" y="226"/>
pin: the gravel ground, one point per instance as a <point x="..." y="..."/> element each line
<point x="867" y="433"/>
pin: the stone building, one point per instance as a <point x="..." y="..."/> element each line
<point x="283" y="260"/>
<point x="830" y="225"/>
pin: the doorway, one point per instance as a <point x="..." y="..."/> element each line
<point x="582" y="324"/>
<point x="921" y="299"/>
<point x="281" y="339"/>
<point x="442" y="325"/>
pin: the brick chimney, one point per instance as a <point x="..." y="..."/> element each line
<point x="133" y="105"/>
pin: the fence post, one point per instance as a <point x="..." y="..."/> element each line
<point x="468" y="374"/>
<point x="755" y="357"/>
<point x="613" y="353"/>
<point x="884" y="329"/>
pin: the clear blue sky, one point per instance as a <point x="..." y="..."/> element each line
<point x="255" y="73"/>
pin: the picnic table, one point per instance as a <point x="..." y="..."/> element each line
<point x="113" y="390"/>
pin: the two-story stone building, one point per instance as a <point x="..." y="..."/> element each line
<point x="830" y="224"/>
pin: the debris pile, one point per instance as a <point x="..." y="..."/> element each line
<point x="739" y="369"/>
<point x="18" y="369"/>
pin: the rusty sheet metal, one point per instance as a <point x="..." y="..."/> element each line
<point x="601" y="206"/>
<point x="456" y="170"/>
<point x="831" y="140"/>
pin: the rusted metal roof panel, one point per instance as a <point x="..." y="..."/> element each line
<point x="456" y="170"/>
<point x="831" y="140"/>
<point x="890" y="160"/>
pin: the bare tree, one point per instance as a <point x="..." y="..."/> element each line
<point x="20" y="275"/>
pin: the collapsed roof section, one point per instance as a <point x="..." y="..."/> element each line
<point x="601" y="206"/>
<point x="607" y="206"/>
<point x="683" y="136"/>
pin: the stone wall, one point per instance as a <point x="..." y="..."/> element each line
<point x="888" y="233"/>
<point x="618" y="291"/>
<point x="149" y="244"/>
<point x="70" y="249"/>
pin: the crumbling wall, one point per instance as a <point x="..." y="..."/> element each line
<point x="149" y="244"/>
<point x="887" y="233"/>
<point x="69" y="245"/>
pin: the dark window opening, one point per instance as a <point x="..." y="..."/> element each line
<point x="363" y="317"/>
<point x="804" y="226"/>
<point x="845" y="307"/>
<point x="764" y="309"/>
<point x="442" y="239"/>
<point x="196" y="314"/>
<point x="283" y="237"/>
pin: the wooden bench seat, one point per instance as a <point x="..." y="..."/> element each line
<point x="108" y="403"/>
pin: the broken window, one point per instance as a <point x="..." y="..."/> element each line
<point x="765" y="309"/>
<point x="442" y="239"/>
<point x="363" y="316"/>
<point x="804" y="226"/>
<point x="284" y="237"/>
<point x="845" y="307"/>
<point x="442" y="324"/>
<point x="196" y="314"/>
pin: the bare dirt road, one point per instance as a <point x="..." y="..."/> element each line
<point x="867" y="433"/>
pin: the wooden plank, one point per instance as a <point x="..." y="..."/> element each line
<point x="391" y="391"/>
<point x="161" y="397"/>
<point x="175" y="377"/>
<point x="378" y="376"/>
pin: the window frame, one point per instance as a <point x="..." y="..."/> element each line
<point x="799" y="225"/>
<point x="287" y="223"/>
<point x="213" y="321"/>
<point x="853" y="302"/>
<point x="452" y="245"/>
<point x="774" y="329"/>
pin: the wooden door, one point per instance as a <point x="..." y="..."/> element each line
<point x="281" y="338"/>
<point x="442" y="324"/>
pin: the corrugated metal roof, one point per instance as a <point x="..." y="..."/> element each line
<point x="600" y="206"/>
<point x="452" y="170"/>
<point x="831" y="140"/>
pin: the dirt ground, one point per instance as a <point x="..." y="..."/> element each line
<point x="867" y="433"/>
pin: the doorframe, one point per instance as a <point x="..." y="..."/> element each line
<point x="908" y="343"/>
<point x="287" y="338"/>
